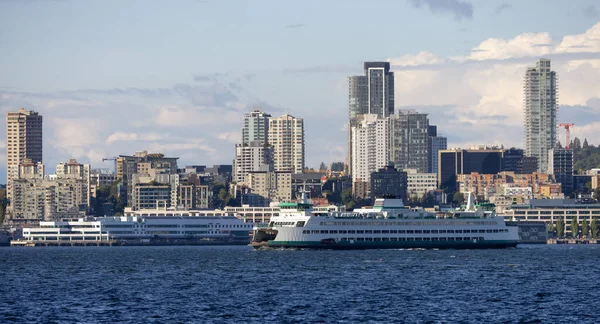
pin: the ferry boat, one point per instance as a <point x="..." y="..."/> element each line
<point x="135" y="230"/>
<point x="388" y="224"/>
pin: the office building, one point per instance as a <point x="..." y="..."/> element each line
<point x="388" y="182"/>
<point x="560" y="164"/>
<point x="418" y="184"/>
<point x="310" y="183"/>
<point x="256" y="127"/>
<point x="541" y="110"/>
<point x="514" y="160"/>
<point x="286" y="136"/>
<point x="23" y="141"/>
<point x="272" y="186"/>
<point x="436" y="143"/>
<point x="151" y="191"/>
<point x="551" y="210"/>
<point x="251" y="157"/>
<point x="143" y="163"/>
<point x="453" y="162"/>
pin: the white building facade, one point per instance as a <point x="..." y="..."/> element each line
<point x="286" y="136"/>
<point x="420" y="183"/>
<point x="370" y="146"/>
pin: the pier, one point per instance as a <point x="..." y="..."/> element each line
<point x="572" y="241"/>
<point x="29" y="243"/>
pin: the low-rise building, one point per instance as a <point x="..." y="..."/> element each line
<point x="273" y="186"/>
<point x="420" y="183"/>
<point x="485" y="186"/>
<point x="388" y="182"/>
<point x="551" y="210"/>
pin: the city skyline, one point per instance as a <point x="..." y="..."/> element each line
<point x="465" y="79"/>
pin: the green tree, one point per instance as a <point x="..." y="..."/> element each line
<point x="458" y="198"/>
<point x="594" y="228"/>
<point x="347" y="196"/>
<point x="427" y="201"/>
<point x="574" y="228"/>
<point x="322" y="167"/>
<point x="585" y="227"/>
<point x="585" y="144"/>
<point x="551" y="228"/>
<point x="337" y="166"/>
<point x="576" y="144"/>
<point x="560" y="227"/>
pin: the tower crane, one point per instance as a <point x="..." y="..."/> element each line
<point x="567" y="127"/>
<point x="114" y="158"/>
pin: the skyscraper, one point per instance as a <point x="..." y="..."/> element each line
<point x="286" y="136"/>
<point x="409" y="140"/>
<point x="256" y="127"/>
<point x="541" y="108"/>
<point x="373" y="92"/>
<point x="23" y="141"/>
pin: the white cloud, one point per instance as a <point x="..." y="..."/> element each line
<point x="523" y="45"/>
<point x="480" y="94"/>
<point x="421" y="58"/>
<point x="585" y="42"/>
<point x="231" y="137"/>
<point x="128" y="137"/>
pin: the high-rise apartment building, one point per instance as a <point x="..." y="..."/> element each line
<point x="36" y="198"/>
<point x="256" y="127"/>
<point x="541" y="110"/>
<point x="286" y="136"/>
<point x="251" y="157"/>
<point x="23" y="141"/>
<point x="409" y="140"/>
<point x="373" y="92"/>
<point x="370" y="146"/>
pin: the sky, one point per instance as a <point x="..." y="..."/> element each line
<point x="117" y="77"/>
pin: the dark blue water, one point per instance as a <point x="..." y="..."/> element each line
<point x="549" y="284"/>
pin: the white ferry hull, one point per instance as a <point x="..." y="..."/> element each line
<point x="348" y="245"/>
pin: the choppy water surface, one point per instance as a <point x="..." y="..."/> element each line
<point x="237" y="284"/>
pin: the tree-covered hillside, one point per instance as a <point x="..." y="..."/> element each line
<point x="585" y="156"/>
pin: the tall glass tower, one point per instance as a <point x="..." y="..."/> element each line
<point x="541" y="112"/>
<point x="373" y="92"/>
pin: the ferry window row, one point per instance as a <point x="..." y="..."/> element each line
<point x="404" y="239"/>
<point x="403" y="231"/>
<point x="407" y="223"/>
<point x="297" y="224"/>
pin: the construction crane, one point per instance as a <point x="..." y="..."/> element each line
<point x="567" y="127"/>
<point x="114" y="158"/>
